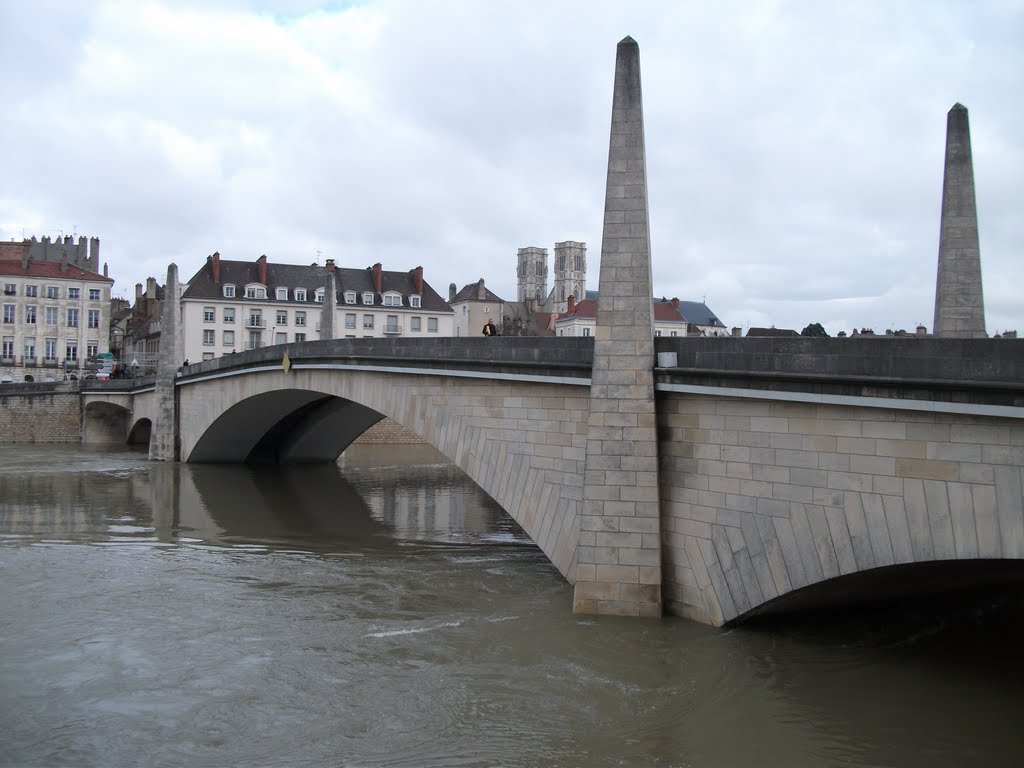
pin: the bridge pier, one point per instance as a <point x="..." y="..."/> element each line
<point x="619" y="553"/>
<point x="163" y="441"/>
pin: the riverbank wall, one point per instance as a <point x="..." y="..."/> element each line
<point x="41" y="412"/>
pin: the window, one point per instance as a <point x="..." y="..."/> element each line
<point x="320" y="296"/>
<point x="282" y="317"/>
<point x="392" y="300"/>
<point x="586" y="331"/>
<point x="255" y="319"/>
<point x="207" y="355"/>
<point x="300" y="318"/>
<point x="50" y="349"/>
<point x="208" y="337"/>
<point x="431" y="325"/>
<point x="350" y="320"/>
<point x="10" y="289"/>
<point x="32" y="291"/>
<point x="209" y="314"/>
<point x="228" y="338"/>
<point x="282" y="294"/>
<point x="368" y="298"/>
<point x="229" y="314"/>
<point x="414" y="324"/>
<point x="350" y="297"/>
<point x="414" y="301"/>
<point x="52" y="292"/>
<point x="8" y="350"/>
<point x="51" y="315"/>
<point x="300" y="337"/>
<point x="30" y="315"/>
<point x="71" y="349"/>
<point x="229" y="291"/>
<point x="300" y="294"/>
<point x="91" y="348"/>
<point x="255" y="292"/>
<point x="9" y="313"/>
<point x="94" y="294"/>
<point x="657" y="333"/>
<point x="94" y="318"/>
<point x="30" y="350"/>
<point x="368" y="321"/>
<point x="72" y="318"/>
<point x="673" y="333"/>
<point x="391" y="326"/>
<point x="280" y="338"/>
<point x="74" y="293"/>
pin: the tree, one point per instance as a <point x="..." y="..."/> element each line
<point x="814" y="329"/>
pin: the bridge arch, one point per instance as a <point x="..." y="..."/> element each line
<point x="522" y="442"/>
<point x="104" y="423"/>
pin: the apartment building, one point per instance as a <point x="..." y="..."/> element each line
<point x="231" y="306"/>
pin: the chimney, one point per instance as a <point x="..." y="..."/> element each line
<point x="572" y="303"/>
<point x="675" y="303"/>
<point x="329" y="265"/>
<point x="451" y="292"/>
<point x="105" y="273"/>
<point x="215" y="266"/>
<point x="921" y="330"/>
<point x="737" y="332"/>
<point x="481" y="291"/>
<point x="150" y="287"/>
<point x="261" y="263"/>
<point x="417" y="279"/>
<point x="64" y="262"/>
<point x="377" y="277"/>
<point x="138" y="292"/>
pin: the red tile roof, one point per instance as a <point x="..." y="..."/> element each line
<point x="48" y="269"/>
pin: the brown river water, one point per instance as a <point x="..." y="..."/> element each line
<point x="385" y="612"/>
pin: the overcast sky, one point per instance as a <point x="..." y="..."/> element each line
<point x="794" y="149"/>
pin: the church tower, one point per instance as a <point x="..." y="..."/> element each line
<point x="570" y="274"/>
<point x="532" y="275"/>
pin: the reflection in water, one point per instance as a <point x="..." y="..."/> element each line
<point x="388" y="614"/>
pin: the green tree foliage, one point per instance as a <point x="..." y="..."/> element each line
<point x="814" y="329"/>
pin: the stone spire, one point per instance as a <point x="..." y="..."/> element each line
<point x="618" y="564"/>
<point x="959" y="306"/>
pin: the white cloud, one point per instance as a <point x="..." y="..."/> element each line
<point x="794" y="149"/>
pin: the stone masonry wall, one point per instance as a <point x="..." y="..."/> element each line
<point x="40" y="413"/>
<point x="389" y="432"/>
<point x="760" y="498"/>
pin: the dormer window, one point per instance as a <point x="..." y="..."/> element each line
<point x="300" y="294"/>
<point x="350" y="297"/>
<point x="414" y="300"/>
<point x="319" y="295"/>
<point x="367" y="297"/>
<point x="392" y="299"/>
<point x="229" y="291"/>
<point x="255" y="292"/>
<point x="282" y="294"/>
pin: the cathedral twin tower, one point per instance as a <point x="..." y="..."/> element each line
<point x="570" y="276"/>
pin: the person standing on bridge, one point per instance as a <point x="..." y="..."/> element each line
<point x="490" y="329"/>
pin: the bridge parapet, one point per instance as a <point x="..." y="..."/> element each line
<point x="987" y="372"/>
<point x="560" y="357"/>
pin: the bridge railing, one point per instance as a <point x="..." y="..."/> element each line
<point x="566" y="357"/>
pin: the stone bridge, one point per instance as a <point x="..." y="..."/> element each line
<point x="786" y="467"/>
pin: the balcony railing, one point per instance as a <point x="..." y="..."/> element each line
<point x="253" y="344"/>
<point x="6" y="359"/>
<point x="30" y="361"/>
<point x="50" y="362"/>
<point x="255" y="322"/>
<point x="392" y="329"/>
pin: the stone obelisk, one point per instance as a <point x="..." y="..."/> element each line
<point x="618" y="564"/>
<point x="959" y="306"/>
<point x="163" y="440"/>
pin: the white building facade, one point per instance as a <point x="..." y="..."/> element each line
<point x="233" y="306"/>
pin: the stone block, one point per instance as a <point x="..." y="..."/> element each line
<point x="926" y="469"/>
